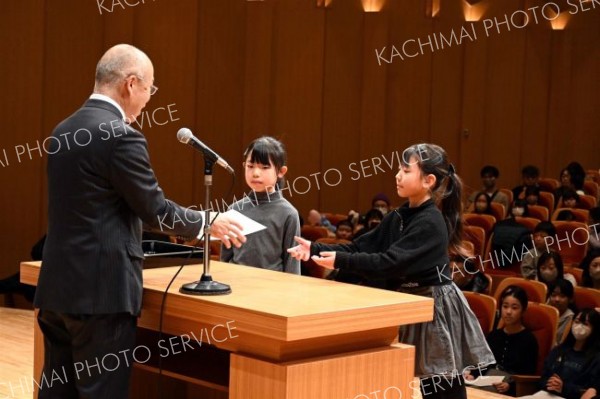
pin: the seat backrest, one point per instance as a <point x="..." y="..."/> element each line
<point x="498" y="210"/>
<point x="546" y="199"/>
<point x="486" y="222"/>
<point x="539" y="212"/>
<point x="508" y="193"/>
<point x="475" y="235"/>
<point x="548" y="184"/>
<point x="590" y="187"/>
<point x="313" y="233"/>
<point x="587" y="201"/>
<point x="528" y="222"/>
<point x="587" y="297"/>
<point x="542" y="321"/>
<point x="593" y="174"/>
<point x="570" y="241"/>
<point x="484" y="307"/>
<point x="576" y="272"/>
<point x="536" y="290"/>
<point x="581" y="215"/>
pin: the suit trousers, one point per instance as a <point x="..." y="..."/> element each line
<point x="86" y="356"/>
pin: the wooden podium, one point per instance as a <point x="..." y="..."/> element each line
<point x="277" y="336"/>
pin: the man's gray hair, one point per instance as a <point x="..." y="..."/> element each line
<point x="119" y="62"/>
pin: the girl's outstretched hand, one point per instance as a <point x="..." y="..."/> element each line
<point x="326" y="259"/>
<point x="300" y="251"/>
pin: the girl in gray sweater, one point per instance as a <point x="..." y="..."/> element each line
<point x="264" y="168"/>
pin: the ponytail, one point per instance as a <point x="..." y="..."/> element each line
<point x="447" y="192"/>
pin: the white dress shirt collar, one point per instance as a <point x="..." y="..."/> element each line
<point x="102" y="97"/>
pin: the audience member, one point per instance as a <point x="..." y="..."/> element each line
<point x="561" y="295"/>
<point x="380" y="202"/>
<point x="467" y="276"/>
<point x="571" y="177"/>
<point x="550" y="268"/>
<point x="509" y="235"/>
<point x="530" y="175"/>
<point x="532" y="195"/>
<point x="573" y="366"/>
<point x="514" y="346"/>
<point x="594" y="228"/>
<point x="316" y="219"/>
<point x="530" y="260"/>
<point x="344" y="230"/>
<point x="570" y="199"/>
<point x="372" y="219"/>
<point x="489" y="174"/>
<point x="565" y="215"/>
<point x="591" y="269"/>
<point x="482" y="204"/>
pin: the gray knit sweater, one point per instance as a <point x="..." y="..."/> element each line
<point x="267" y="248"/>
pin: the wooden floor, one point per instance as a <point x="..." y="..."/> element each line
<point x="16" y="357"/>
<point x="16" y="353"/>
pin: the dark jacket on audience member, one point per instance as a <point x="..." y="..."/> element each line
<point x="514" y="353"/>
<point x="575" y="370"/>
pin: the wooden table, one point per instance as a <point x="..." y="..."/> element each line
<point x="276" y="336"/>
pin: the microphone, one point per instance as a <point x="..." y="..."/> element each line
<point x="186" y="136"/>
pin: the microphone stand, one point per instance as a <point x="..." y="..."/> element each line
<point x="206" y="285"/>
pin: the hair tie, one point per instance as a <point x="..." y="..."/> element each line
<point x="451" y="170"/>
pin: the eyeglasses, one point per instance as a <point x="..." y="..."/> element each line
<point x="153" y="89"/>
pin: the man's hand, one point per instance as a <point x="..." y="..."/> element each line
<point x="228" y="231"/>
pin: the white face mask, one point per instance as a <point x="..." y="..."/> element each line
<point x="581" y="331"/>
<point x="518" y="211"/>
<point x="382" y="209"/>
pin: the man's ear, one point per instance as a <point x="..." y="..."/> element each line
<point x="282" y="171"/>
<point x="429" y="181"/>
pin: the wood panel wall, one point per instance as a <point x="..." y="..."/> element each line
<point x="232" y="70"/>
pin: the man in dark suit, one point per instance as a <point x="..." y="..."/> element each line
<point x="101" y="188"/>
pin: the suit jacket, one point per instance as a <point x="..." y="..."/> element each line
<point x="101" y="188"/>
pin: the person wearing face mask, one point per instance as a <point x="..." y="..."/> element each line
<point x="574" y="366"/>
<point x="482" y="204"/>
<point x="550" y="268"/>
<point x="381" y="202"/>
<point x="561" y="295"/>
<point x="591" y="269"/>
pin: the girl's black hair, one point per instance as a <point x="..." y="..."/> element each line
<point x="266" y="150"/>
<point x="592" y="344"/>
<point x="517" y="292"/>
<point x="558" y="263"/>
<point x="566" y="288"/>
<point x="488" y="200"/>
<point x="586" y="280"/>
<point x="447" y="192"/>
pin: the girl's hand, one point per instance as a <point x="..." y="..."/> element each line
<point x="554" y="383"/>
<point x="502" y="387"/>
<point x="326" y="259"/>
<point x="301" y="251"/>
<point x="468" y="376"/>
<point x="589" y="394"/>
